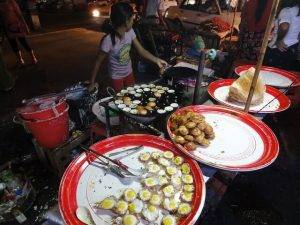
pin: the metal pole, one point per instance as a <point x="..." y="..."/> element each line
<point x="262" y="54"/>
<point x="199" y="79"/>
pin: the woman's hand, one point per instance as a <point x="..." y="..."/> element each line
<point x="161" y="64"/>
<point x="281" y="46"/>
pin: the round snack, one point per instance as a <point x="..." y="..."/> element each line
<point x="187" y="196"/>
<point x="152" y="99"/>
<point x="208" y="129"/>
<point x="183" y="130"/>
<point x="176" y="182"/>
<point x="157" y="94"/>
<point x="153" y="168"/>
<point x="163" y="162"/>
<point x="189" y="187"/>
<point x="189" y="138"/>
<point x="150" y="182"/>
<point x="199" y="139"/>
<point x="150" y="213"/>
<point x="185" y="168"/>
<point x="155" y="155"/>
<point x="190" y="146"/>
<point x="129" y="194"/>
<point x="174" y="105"/>
<point x="127" y="109"/>
<point x="179" y="139"/>
<point x="201" y="125"/>
<point x="196" y="131"/>
<point x="142" y="112"/>
<point x="170" y="204"/>
<point x="162" y="180"/>
<point x="168" y="155"/>
<point x="134" y="111"/>
<point x="117" y="102"/>
<point x="129" y="220"/>
<point x="169" y="191"/>
<point x="205" y="142"/>
<point x="149" y="108"/>
<point x="178" y="160"/>
<point x="187" y="179"/>
<point x="144" y="157"/>
<point x="107" y="203"/>
<point x="136" y="206"/>
<point x="145" y="195"/>
<point x="151" y="104"/>
<point x="121" y="106"/>
<point x="184" y="209"/>
<point x="169" y="108"/>
<point x="161" y="111"/>
<point x="121" y="207"/>
<point x="136" y="102"/>
<point x="171" y="170"/>
<point x="155" y="199"/>
<point x="191" y="125"/>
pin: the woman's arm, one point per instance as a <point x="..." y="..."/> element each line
<point x="147" y="55"/>
<point x="282" y="31"/>
<point x="100" y="59"/>
<point x="19" y="14"/>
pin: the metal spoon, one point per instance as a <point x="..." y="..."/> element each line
<point x="84" y="215"/>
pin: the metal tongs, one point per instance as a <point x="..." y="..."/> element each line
<point x="113" y="165"/>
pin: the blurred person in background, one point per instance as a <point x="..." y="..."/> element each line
<point x="254" y="19"/>
<point x="283" y="50"/>
<point x="16" y="29"/>
<point x="154" y="11"/>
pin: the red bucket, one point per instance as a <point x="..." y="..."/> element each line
<point x="44" y="108"/>
<point x="52" y="132"/>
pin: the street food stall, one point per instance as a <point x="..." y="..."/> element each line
<point x="161" y="152"/>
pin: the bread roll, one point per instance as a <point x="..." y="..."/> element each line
<point x="240" y="88"/>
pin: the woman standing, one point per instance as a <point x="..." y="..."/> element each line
<point x="283" y="50"/>
<point x="15" y="29"/>
<point x="254" y="19"/>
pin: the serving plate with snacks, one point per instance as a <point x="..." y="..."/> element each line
<point x="273" y="76"/>
<point x="272" y="100"/>
<point x="147" y="100"/>
<point x="223" y="138"/>
<point x="171" y="190"/>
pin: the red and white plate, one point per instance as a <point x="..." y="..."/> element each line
<point x="242" y="143"/>
<point x="273" y="76"/>
<point x="274" y="100"/>
<point x="84" y="184"/>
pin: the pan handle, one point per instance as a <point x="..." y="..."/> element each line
<point x="110" y="91"/>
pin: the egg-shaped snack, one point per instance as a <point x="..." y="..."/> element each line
<point x="179" y="139"/>
<point x="170" y="204"/>
<point x="156" y="199"/>
<point x="185" y="168"/>
<point x="171" y="170"/>
<point x="107" y="203"/>
<point x="176" y="182"/>
<point x="153" y="168"/>
<point x="164" y="162"/>
<point x="169" y="191"/>
<point x="135" y="207"/>
<point x="150" y="182"/>
<point x="155" y="155"/>
<point x="183" y="130"/>
<point x="150" y="213"/>
<point x="145" y="156"/>
<point x="121" y="207"/>
<point x="196" y="131"/>
<point x="178" y="160"/>
<point x="129" y="220"/>
<point x="129" y="194"/>
<point x="169" y="220"/>
<point x="189" y="137"/>
<point x="190" y="125"/>
<point x="190" y="146"/>
<point x="162" y="180"/>
<point x="189" y="187"/>
<point x="145" y="195"/>
<point x="187" y="196"/>
<point x="187" y="179"/>
<point x="168" y="154"/>
<point x="184" y="209"/>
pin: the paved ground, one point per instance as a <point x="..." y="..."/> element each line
<point x="266" y="197"/>
<point x="65" y="57"/>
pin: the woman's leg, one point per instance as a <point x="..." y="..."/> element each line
<point x="129" y="80"/>
<point x="27" y="47"/>
<point x="118" y="84"/>
<point x="15" y="47"/>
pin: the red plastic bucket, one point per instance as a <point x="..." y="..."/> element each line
<point x="42" y="109"/>
<point x="50" y="133"/>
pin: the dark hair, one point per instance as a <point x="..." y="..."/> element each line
<point x="261" y="6"/>
<point x="119" y="15"/>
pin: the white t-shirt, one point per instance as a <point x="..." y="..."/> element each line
<point x="290" y="16"/>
